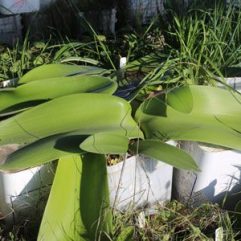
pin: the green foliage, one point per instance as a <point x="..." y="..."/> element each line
<point x="96" y="50"/>
<point x="197" y="113"/>
<point x="68" y="112"/>
<point x="56" y="70"/>
<point x="23" y="57"/>
<point x="200" y="47"/>
<point x="71" y="125"/>
<point x="16" y="61"/>
<point x="205" y="43"/>
<point x="104" y="51"/>
<point x="168" y="154"/>
<point x="27" y="95"/>
<point x="74" y="210"/>
<point x="103" y="143"/>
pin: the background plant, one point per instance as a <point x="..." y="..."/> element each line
<point x="205" y="43"/>
<point x="22" y="58"/>
<point x="201" y="47"/>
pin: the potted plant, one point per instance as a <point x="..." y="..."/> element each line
<point x="29" y="188"/>
<point x="139" y="181"/>
<point x="219" y="166"/>
<point x="79" y="129"/>
<point x="220" y="176"/>
<point x="219" y="181"/>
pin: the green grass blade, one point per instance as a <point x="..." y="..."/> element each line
<point x="80" y="59"/>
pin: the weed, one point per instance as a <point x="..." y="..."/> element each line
<point x="174" y="221"/>
<point x="22" y="58"/>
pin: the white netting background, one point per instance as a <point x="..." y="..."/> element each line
<point x="19" y="6"/>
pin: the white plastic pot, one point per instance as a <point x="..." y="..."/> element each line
<point x="9" y="7"/>
<point x="8" y="83"/>
<point x="219" y="177"/>
<point x="20" y="192"/>
<point x="138" y="182"/>
<point x="234" y="82"/>
<point x="23" y="194"/>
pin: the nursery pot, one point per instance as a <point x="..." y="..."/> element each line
<point x="234" y="82"/>
<point x="139" y="181"/>
<point x="220" y="176"/>
<point x="23" y="195"/>
<point x="217" y="182"/>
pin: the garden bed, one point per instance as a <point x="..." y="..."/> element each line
<point x="170" y="221"/>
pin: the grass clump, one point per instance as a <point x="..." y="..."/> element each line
<point x="205" y="43"/>
<point x="16" y="61"/>
<point x="175" y="221"/>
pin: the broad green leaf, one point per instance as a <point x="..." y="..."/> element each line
<point x="43" y="90"/>
<point x="83" y="113"/>
<point x="61" y="220"/>
<point x="58" y="70"/>
<point x="94" y="196"/>
<point x="78" y="205"/>
<point x="53" y="147"/>
<point x="165" y="153"/>
<point x="205" y="99"/>
<point x="105" y="143"/>
<point x="215" y="117"/>
<point x="42" y="151"/>
<point x="181" y="100"/>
